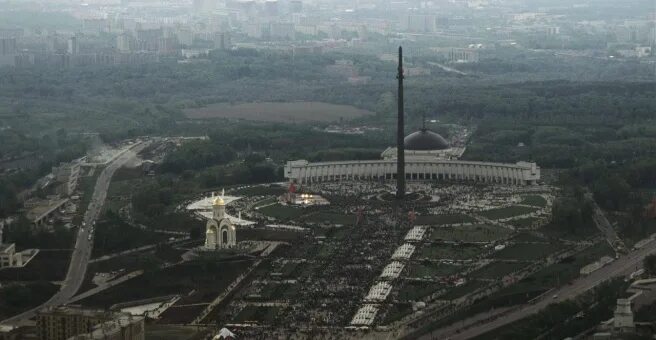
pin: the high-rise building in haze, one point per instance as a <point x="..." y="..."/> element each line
<point x="7" y="46"/>
<point x="73" y="47"/>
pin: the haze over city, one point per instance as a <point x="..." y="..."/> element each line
<point x="310" y="169"/>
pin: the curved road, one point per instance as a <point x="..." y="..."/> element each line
<point x="83" y="243"/>
<point x="480" y="324"/>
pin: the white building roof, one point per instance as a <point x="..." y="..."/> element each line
<point x="392" y="270"/>
<point x="365" y="315"/>
<point x="379" y="291"/>
<point x="404" y="252"/>
<point x="203" y="207"/>
<point x="416" y="234"/>
<point x="224" y="333"/>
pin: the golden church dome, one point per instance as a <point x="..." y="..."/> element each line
<point x="218" y="201"/>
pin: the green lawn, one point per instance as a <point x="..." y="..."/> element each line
<point x="114" y="235"/>
<point x="206" y="277"/>
<point x="444" y="219"/>
<point x="265" y="201"/>
<point x="447" y="251"/>
<point x="526" y="251"/>
<point x="569" y="267"/>
<point x="527" y="237"/>
<point x="172" y="332"/>
<point x="257" y="314"/>
<point x="469" y="233"/>
<point x="331" y="218"/>
<point x="507" y="212"/>
<point x="282" y="212"/>
<point x="558" y="231"/>
<point x="631" y="234"/>
<point x="260" y="190"/>
<point x="526" y="222"/>
<point x="338" y="233"/>
<point x="415" y="290"/>
<point x="430" y="269"/>
<point x="258" y="234"/>
<point x="497" y="270"/>
<point x="396" y="312"/>
<point x="17" y="298"/>
<point x="541" y="281"/>
<point x="534" y="200"/>
<point x="120" y="187"/>
<point x="47" y="265"/>
<point x="278" y="291"/>
<point x="147" y="261"/>
<point x="325" y="250"/>
<point x="289" y="268"/>
<point x="467" y="288"/>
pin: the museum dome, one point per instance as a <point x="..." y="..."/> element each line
<point x="425" y="140"/>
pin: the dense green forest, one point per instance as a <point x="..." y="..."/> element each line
<point x="129" y="100"/>
<point x="581" y="115"/>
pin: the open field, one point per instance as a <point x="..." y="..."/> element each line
<point x="289" y="268"/>
<point x="282" y="212"/>
<point x="524" y="237"/>
<point x="172" y="332"/>
<point x="265" y="202"/>
<point x="459" y="291"/>
<point x="335" y="233"/>
<point x="397" y="311"/>
<point x="534" y="200"/>
<point x="415" y="290"/>
<point x="526" y="251"/>
<point x="331" y="218"/>
<point x="538" y="282"/>
<point x="473" y="233"/>
<point x="127" y="263"/>
<point x="278" y="291"/>
<point x="325" y="251"/>
<point x="181" y="314"/>
<point x="114" y="235"/>
<point x="47" y="265"/>
<point x="444" y="219"/>
<point x="205" y="277"/>
<point x="569" y="267"/>
<point x="450" y="252"/>
<point x="17" y="298"/>
<point x="258" y="314"/>
<point x="257" y="234"/>
<point x="497" y="270"/>
<point x="507" y="212"/>
<point x="260" y="190"/>
<point x="555" y="230"/>
<point x="294" y="112"/>
<point x="526" y="222"/>
<point x="430" y="269"/>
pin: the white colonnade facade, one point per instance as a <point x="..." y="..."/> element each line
<point x="520" y="173"/>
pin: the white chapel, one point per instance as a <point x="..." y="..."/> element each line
<point x="220" y="232"/>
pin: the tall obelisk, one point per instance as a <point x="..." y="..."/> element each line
<point x="400" y="133"/>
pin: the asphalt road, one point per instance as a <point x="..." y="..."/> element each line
<point x="473" y="327"/>
<point x="84" y="241"/>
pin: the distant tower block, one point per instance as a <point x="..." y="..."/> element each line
<point x="73" y="47"/>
